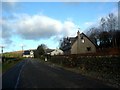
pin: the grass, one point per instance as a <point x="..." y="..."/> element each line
<point x="9" y="64"/>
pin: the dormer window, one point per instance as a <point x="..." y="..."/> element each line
<point x="81" y="37"/>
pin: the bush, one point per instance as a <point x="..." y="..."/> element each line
<point x="108" y="65"/>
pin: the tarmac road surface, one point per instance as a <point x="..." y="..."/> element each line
<point x="31" y="73"/>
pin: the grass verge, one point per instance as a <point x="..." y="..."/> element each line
<point x="9" y="64"/>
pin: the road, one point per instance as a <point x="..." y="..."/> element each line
<point x="31" y="73"/>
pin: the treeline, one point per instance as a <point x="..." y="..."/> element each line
<point x="106" y="34"/>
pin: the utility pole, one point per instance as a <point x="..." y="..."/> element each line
<point x="22" y="46"/>
<point x="2" y="49"/>
<point x="2" y="59"/>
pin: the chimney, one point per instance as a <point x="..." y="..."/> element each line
<point x="78" y="41"/>
<point x="78" y="34"/>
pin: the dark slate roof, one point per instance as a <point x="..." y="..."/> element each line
<point x="48" y="50"/>
<point x="27" y="52"/>
<point x="72" y="39"/>
<point x="88" y="39"/>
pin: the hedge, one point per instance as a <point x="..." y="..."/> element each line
<point x="108" y="65"/>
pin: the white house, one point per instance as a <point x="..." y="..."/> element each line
<point x="56" y="52"/>
<point x="28" y="53"/>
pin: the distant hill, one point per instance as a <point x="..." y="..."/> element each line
<point x="15" y="53"/>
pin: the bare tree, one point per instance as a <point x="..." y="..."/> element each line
<point x="103" y="24"/>
<point x="112" y="26"/>
<point x="105" y="33"/>
<point x="94" y="35"/>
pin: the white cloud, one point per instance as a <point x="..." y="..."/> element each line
<point x="6" y="33"/>
<point x="37" y="27"/>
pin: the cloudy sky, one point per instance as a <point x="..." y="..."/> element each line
<point x="33" y="23"/>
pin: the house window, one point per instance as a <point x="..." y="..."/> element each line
<point x="83" y="41"/>
<point x="88" y="48"/>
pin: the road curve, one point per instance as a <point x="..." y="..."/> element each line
<point x="34" y="74"/>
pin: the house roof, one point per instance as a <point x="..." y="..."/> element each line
<point x="88" y="39"/>
<point x="73" y="39"/>
<point x="27" y="52"/>
<point x="48" y="50"/>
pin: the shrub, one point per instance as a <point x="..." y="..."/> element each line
<point x="108" y="65"/>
